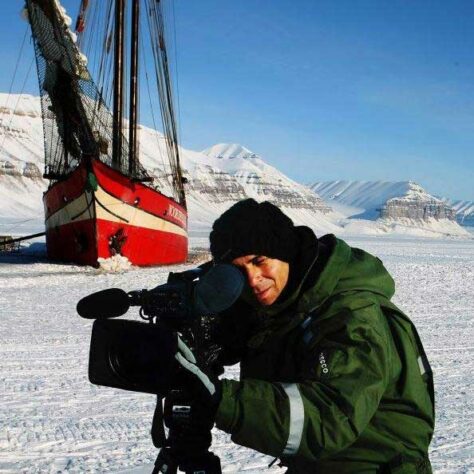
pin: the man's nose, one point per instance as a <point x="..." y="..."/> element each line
<point x="254" y="277"/>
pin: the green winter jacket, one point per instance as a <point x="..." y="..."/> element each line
<point x="335" y="379"/>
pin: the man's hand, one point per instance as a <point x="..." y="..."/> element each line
<point x="190" y="411"/>
<point x="202" y="384"/>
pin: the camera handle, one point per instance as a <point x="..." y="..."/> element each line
<point x="170" y="459"/>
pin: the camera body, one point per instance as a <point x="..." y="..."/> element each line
<point x="139" y="355"/>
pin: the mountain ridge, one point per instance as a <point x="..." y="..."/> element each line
<point x="217" y="178"/>
<point x="371" y="199"/>
<point x="214" y="183"/>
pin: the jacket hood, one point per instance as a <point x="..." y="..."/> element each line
<point x="347" y="269"/>
<point x="326" y="267"/>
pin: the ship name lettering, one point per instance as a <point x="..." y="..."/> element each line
<point x="177" y="214"/>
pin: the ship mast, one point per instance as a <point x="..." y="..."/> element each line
<point x="118" y="84"/>
<point x="133" y="116"/>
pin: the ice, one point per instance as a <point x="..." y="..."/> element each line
<point x="53" y="420"/>
<point x="115" y="264"/>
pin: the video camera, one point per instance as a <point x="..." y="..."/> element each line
<point x="140" y="356"/>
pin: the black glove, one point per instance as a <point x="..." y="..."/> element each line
<point x="190" y="411"/>
<point x="202" y="383"/>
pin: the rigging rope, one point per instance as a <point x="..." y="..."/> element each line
<point x="176" y="69"/>
<point x="16" y="224"/>
<point x="74" y="108"/>
<point x="152" y="110"/>
<point x="18" y="100"/>
<point x="156" y="27"/>
<point x="20" y="55"/>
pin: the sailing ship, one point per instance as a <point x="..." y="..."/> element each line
<point x="101" y="201"/>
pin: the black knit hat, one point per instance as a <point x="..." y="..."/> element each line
<point x="252" y="228"/>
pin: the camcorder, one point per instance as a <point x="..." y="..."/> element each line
<point x="140" y="355"/>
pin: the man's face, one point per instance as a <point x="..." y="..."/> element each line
<point x="266" y="276"/>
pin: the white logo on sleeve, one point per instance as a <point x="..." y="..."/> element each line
<point x="322" y="363"/>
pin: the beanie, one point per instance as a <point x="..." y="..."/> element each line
<point x="252" y="228"/>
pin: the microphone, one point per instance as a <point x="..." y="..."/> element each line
<point x="104" y="304"/>
<point x="218" y="289"/>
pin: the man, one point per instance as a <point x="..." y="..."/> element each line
<point x="334" y="378"/>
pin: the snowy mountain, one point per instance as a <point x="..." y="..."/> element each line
<point x="217" y="178"/>
<point x="464" y="211"/>
<point x="260" y="180"/>
<point x="392" y="205"/>
<point x="380" y="199"/>
<point x="365" y="199"/>
<point x="416" y="203"/>
<point x="232" y="151"/>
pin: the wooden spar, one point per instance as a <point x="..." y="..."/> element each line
<point x="118" y="83"/>
<point x="133" y="117"/>
<point x="20" y="239"/>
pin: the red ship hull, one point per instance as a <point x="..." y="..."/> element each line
<point x="98" y="213"/>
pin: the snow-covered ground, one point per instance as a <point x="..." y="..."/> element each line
<point x="53" y="420"/>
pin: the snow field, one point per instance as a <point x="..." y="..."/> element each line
<point x="52" y="420"/>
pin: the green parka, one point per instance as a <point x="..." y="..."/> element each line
<point x="334" y="379"/>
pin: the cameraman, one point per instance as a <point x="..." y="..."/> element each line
<point x="333" y="376"/>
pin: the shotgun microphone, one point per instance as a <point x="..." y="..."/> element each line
<point x="104" y="304"/>
<point x="214" y="292"/>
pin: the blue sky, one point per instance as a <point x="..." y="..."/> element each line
<point x="323" y="90"/>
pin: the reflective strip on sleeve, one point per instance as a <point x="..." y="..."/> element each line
<point x="424" y="365"/>
<point x="295" y="432"/>
<point x="421" y="365"/>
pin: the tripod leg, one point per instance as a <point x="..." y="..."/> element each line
<point x="165" y="463"/>
<point x="158" y="435"/>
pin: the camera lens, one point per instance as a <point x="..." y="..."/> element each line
<point x="133" y="356"/>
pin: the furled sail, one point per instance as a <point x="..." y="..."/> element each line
<point x="77" y="123"/>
